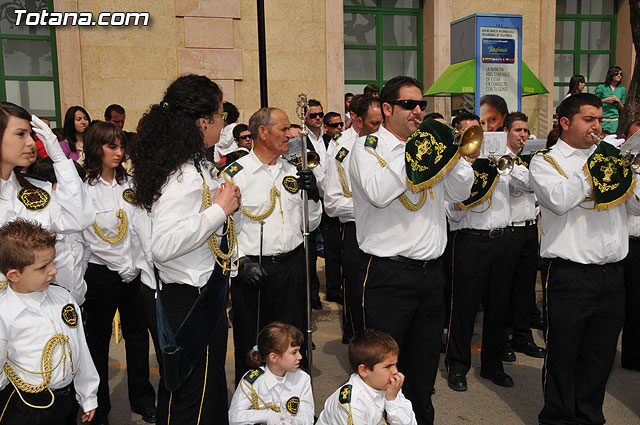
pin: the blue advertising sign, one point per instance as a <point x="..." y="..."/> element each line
<point x="498" y="50"/>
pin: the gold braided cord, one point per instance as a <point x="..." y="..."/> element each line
<point x="46" y="368"/>
<point x="345" y="186"/>
<point x="123" y="227"/>
<point x="273" y="194"/>
<point x="350" y="415"/>
<point x="404" y="200"/>
<point x="382" y="162"/>
<point x="4" y="284"/>
<point x="255" y="399"/>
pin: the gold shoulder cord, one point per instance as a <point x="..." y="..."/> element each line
<point x="212" y="241"/>
<point x="123" y="227"/>
<point x="45" y="370"/>
<point x="345" y="186"/>
<point x="350" y="415"/>
<point x="273" y="194"/>
<point x="255" y="399"/>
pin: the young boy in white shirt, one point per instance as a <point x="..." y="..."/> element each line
<point x="43" y="352"/>
<point x="373" y="394"/>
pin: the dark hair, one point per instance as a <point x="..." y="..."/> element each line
<point x="496" y="101"/>
<point x="364" y="104"/>
<point x="168" y="135"/>
<point x="330" y="115"/>
<point x="314" y="102"/>
<point x="610" y="73"/>
<point x="371" y="89"/>
<point x="628" y="127"/>
<point x="113" y="108"/>
<point x="276" y="338"/>
<point x="434" y="115"/>
<point x="232" y="112"/>
<point x="8" y="109"/>
<point x="512" y="117"/>
<point x="296" y="126"/>
<point x="99" y="134"/>
<point x="464" y="116"/>
<point x="43" y="168"/>
<point x="19" y="239"/>
<point x="353" y="106"/>
<point x="391" y="90"/>
<point x="347" y="95"/>
<point x="371" y="347"/>
<point x="571" y="105"/>
<point x="239" y="129"/>
<point x="574" y="82"/>
<point x="69" y="128"/>
<point x="553" y="136"/>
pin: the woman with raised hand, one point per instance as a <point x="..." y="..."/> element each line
<point x="192" y="242"/>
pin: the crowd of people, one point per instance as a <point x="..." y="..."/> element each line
<point x="167" y="224"/>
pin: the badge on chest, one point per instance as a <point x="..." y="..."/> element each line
<point x="34" y="199"/>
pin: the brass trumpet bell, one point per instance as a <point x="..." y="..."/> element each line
<point x="504" y="164"/>
<point x="313" y="159"/>
<point x="470" y="140"/>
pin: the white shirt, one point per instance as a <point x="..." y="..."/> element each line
<point x="72" y="259"/>
<point x="282" y="232"/>
<point x="69" y="209"/>
<point x="274" y="390"/>
<point x="226" y="144"/>
<point x="334" y="145"/>
<point x="571" y="228"/>
<point x="27" y="322"/>
<point x="321" y="150"/>
<point x="634" y="226"/>
<point x="336" y="204"/>
<point x="367" y="407"/>
<point x="384" y="226"/>
<point x="180" y="228"/>
<point x="522" y="200"/>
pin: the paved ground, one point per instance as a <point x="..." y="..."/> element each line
<point x="484" y="403"/>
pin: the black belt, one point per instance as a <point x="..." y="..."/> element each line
<point x="634" y="239"/>
<point x="573" y="264"/>
<point x="423" y="264"/>
<point x="491" y="234"/>
<point x="277" y="258"/>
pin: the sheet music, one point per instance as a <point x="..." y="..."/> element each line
<point x="295" y="149"/>
<point x="632" y="145"/>
<point x="494" y="143"/>
<point x="533" y="145"/>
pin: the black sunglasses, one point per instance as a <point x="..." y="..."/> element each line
<point x="248" y="136"/>
<point x="410" y="104"/>
<point x="335" y="124"/>
<point x="313" y="115"/>
<point x="618" y="73"/>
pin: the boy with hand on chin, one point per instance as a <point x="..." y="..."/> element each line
<point x="46" y="365"/>
<point x="373" y="394"/>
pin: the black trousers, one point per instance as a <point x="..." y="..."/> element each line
<point x="330" y="229"/>
<point x="480" y="265"/>
<point x="351" y="259"/>
<point x="203" y="395"/>
<point x="630" y="358"/>
<point x="106" y="292"/>
<point x="406" y="301"/>
<point x="522" y="292"/>
<point x="585" y="309"/>
<point x="447" y="262"/>
<point x="14" y="412"/>
<point x="313" y="261"/>
<point x="283" y="300"/>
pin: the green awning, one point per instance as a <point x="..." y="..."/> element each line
<point x="460" y="78"/>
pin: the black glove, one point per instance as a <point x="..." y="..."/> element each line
<point x="252" y="273"/>
<point x="307" y="181"/>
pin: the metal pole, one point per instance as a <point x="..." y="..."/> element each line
<point x="259" y="291"/>
<point x="262" y="56"/>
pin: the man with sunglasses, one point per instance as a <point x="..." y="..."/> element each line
<point x="403" y="234"/>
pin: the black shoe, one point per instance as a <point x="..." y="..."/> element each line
<point x="100" y="419"/>
<point x="536" y="323"/>
<point x="335" y="299"/>
<point x="508" y="355"/>
<point x="457" y="381"/>
<point x="148" y="414"/>
<point x="316" y="304"/>
<point x="530" y="349"/>
<point x="499" y="378"/>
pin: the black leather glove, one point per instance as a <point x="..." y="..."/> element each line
<point x="307" y="181"/>
<point x="251" y="272"/>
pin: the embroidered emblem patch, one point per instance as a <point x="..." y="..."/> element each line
<point x="336" y="136"/>
<point x="345" y="394"/>
<point x="34" y="199"/>
<point x="129" y="195"/>
<point x="290" y="184"/>
<point x="342" y="154"/>
<point x="371" y="142"/>
<point x="70" y="316"/>
<point x="292" y="405"/>
<point x="233" y="169"/>
<point x="252" y="375"/>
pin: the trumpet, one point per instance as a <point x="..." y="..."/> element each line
<point x="628" y="159"/>
<point x="504" y="164"/>
<point x="313" y="159"/>
<point x="469" y="140"/>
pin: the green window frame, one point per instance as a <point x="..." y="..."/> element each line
<point x="577" y="51"/>
<point x="51" y="38"/>
<point x="379" y="47"/>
